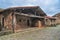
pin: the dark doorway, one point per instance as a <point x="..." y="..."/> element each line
<point x="2" y="24"/>
<point x="28" y="24"/>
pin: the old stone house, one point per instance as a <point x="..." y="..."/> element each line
<point x="18" y="18"/>
<point x="57" y="18"/>
<point x="50" y="21"/>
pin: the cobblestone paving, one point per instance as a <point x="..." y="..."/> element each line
<point x="49" y="33"/>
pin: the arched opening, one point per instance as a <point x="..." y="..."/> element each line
<point x="37" y="23"/>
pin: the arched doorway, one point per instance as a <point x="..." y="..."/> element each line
<point x="37" y="23"/>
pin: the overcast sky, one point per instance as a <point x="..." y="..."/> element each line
<point x="50" y="7"/>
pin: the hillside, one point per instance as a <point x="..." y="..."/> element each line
<point x="57" y="15"/>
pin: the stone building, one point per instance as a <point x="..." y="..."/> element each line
<point x="50" y="21"/>
<point x="57" y="17"/>
<point x="18" y="18"/>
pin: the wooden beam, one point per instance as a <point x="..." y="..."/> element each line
<point x="29" y="15"/>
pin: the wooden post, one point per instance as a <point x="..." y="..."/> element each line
<point x="51" y="22"/>
<point x="13" y="23"/>
<point x="55" y="22"/>
<point x="45" y="20"/>
<point x="35" y="12"/>
<point x="30" y="22"/>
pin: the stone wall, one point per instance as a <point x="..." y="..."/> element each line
<point x="58" y="20"/>
<point x="8" y="21"/>
<point x="21" y="22"/>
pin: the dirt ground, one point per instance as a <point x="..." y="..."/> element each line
<point x="49" y="33"/>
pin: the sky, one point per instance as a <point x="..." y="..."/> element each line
<point x="50" y="7"/>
